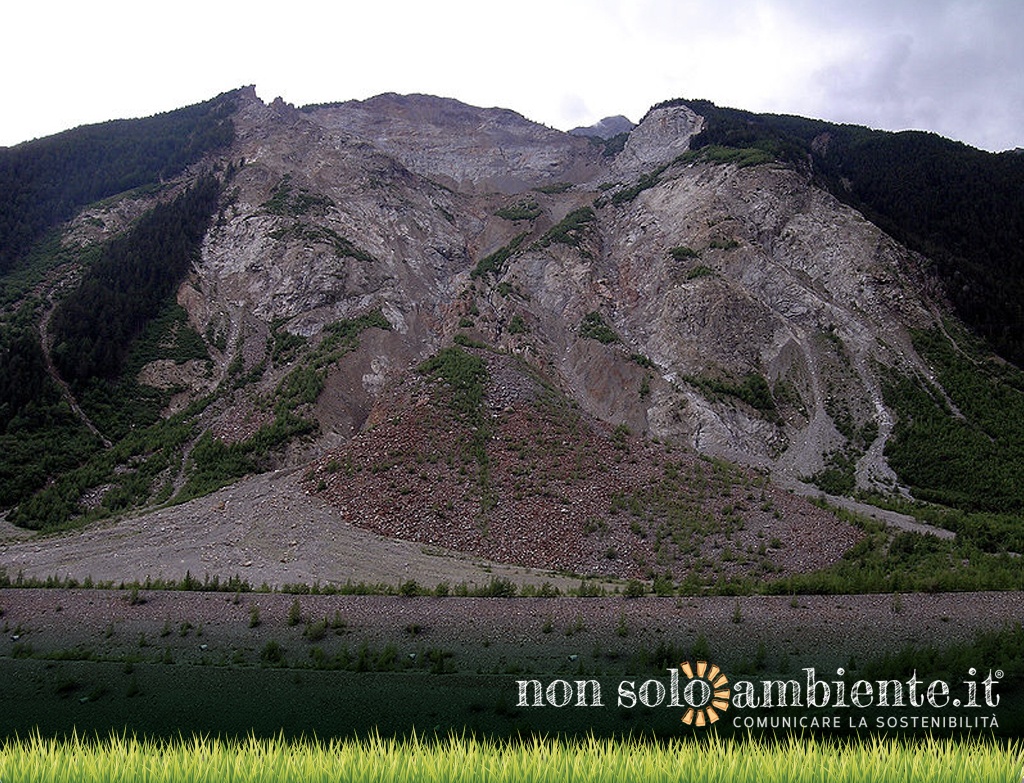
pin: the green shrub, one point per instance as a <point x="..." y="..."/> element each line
<point x="521" y="210"/>
<point x="593" y="327"/>
<point x="294" y="613"/>
<point x="272" y="654"/>
<point x="464" y="373"/>
<point x="492" y="265"/>
<point x="753" y="389"/>
<point x="663" y="586"/>
<point x="314" y="632"/>
<point x="723" y="244"/>
<point x="286" y="200"/>
<point x="646" y="181"/>
<point x="642" y="360"/>
<point x="498" y="587"/>
<point x="682" y="253"/>
<point x="700" y="271"/>
<point x="569" y="231"/>
<point x="742" y="157"/>
<point x="634" y="589"/>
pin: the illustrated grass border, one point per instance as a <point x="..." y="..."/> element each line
<point x="460" y="758"/>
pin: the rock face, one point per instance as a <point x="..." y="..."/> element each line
<point x="741" y="311"/>
<point x="468" y="149"/>
<point x="662" y="135"/>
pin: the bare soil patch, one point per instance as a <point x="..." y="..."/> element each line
<point x="264" y="529"/>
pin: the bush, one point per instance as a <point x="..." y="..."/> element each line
<point x="498" y="587"/>
<point x="682" y="253"/>
<point x="646" y="181"/>
<point x="464" y="373"/>
<point x="593" y="327"/>
<point x="634" y="589"/>
<point x="570" y="230"/>
<point x="663" y="586"/>
<point x="314" y="632"/>
<point x="753" y="389"/>
<point x="272" y="654"/>
<point x="493" y="264"/>
<point x="294" y="613"/>
<point x="700" y="271"/>
<point x="521" y="210"/>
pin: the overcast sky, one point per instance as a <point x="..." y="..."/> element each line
<point x="955" y="67"/>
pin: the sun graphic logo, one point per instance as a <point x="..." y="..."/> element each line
<point x="705" y="694"/>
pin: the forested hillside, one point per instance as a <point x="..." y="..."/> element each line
<point x="129" y="284"/>
<point x="46" y="181"/>
<point x="126" y="283"/>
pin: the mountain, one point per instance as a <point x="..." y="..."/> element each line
<point x="471" y="330"/>
<point x="606" y="128"/>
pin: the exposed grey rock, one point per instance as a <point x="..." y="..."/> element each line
<point x="661" y="136"/>
<point x="713" y="274"/>
<point x="461" y="146"/>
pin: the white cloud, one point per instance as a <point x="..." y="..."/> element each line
<point x="954" y="66"/>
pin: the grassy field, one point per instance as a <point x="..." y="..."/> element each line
<point x="456" y="759"/>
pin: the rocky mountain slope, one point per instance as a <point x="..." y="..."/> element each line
<point x="714" y="285"/>
<point x="482" y="333"/>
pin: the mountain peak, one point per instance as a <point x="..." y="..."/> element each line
<point x="606" y="128"/>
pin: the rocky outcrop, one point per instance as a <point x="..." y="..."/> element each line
<point x="661" y="136"/>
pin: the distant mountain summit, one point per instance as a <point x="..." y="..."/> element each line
<point x="606" y="128"/>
